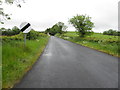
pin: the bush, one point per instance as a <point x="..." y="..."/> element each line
<point x="32" y="35"/>
<point x="43" y="35"/>
<point x="15" y="37"/>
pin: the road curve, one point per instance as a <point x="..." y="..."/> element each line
<point x="67" y="65"/>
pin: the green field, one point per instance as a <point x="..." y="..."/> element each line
<point x="17" y="59"/>
<point x="105" y="43"/>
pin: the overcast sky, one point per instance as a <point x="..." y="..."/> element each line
<point x="43" y="14"/>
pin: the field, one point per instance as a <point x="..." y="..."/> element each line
<point x="17" y="59"/>
<point x="105" y="43"/>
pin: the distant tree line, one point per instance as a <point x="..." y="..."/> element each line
<point x="59" y="27"/>
<point x="9" y="32"/>
<point x="82" y="23"/>
<point x="112" y="32"/>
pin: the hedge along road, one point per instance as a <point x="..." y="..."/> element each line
<point x="67" y="65"/>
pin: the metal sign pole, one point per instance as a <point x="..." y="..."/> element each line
<point x="25" y="39"/>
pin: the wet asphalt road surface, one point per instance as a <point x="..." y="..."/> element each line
<point x="67" y="65"/>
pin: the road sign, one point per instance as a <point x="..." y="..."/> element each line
<point x="25" y="27"/>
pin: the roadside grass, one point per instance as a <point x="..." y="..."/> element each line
<point x="0" y="64"/>
<point x="17" y="59"/>
<point x="105" y="43"/>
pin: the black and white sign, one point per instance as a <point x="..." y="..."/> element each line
<point x="25" y="27"/>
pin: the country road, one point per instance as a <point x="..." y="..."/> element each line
<point x="67" y="65"/>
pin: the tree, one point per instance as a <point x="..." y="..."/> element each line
<point x="59" y="27"/>
<point x="83" y="24"/>
<point x="53" y="30"/>
<point x="47" y="30"/>
<point x="3" y="15"/>
<point x="15" y="30"/>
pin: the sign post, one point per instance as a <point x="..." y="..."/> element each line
<point x="25" y="28"/>
<point x="25" y="39"/>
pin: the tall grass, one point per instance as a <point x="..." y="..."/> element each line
<point x="0" y="65"/>
<point x="17" y="59"/>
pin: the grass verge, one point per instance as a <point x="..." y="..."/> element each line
<point x="17" y="59"/>
<point x="104" y="43"/>
<point x="0" y="64"/>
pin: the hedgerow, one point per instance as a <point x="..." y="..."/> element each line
<point x="32" y="35"/>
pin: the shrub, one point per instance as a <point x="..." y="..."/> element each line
<point x="42" y="35"/>
<point x="32" y="35"/>
<point x="15" y="37"/>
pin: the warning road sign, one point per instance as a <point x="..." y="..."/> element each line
<point x="25" y="27"/>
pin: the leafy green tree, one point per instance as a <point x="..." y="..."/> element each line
<point x="59" y="27"/>
<point x="15" y="30"/>
<point x="47" y="30"/>
<point x="54" y="30"/>
<point x="83" y="24"/>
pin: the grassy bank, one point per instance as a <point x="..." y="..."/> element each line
<point x="17" y="59"/>
<point x="105" y="43"/>
<point x="0" y="64"/>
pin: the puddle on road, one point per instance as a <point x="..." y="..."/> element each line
<point x="47" y="53"/>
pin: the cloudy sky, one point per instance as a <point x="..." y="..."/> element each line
<point x="43" y="14"/>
